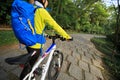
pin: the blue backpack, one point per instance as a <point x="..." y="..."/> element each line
<point x="22" y="17"/>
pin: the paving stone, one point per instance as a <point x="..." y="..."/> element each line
<point x="85" y="50"/>
<point x="75" y="72"/>
<point x="76" y="55"/>
<point x="98" y="58"/>
<point x="98" y="78"/>
<point x="88" y="55"/>
<point x="91" y="51"/>
<point x="64" y="66"/>
<point x="79" y="48"/>
<point x="96" y="71"/>
<point x="17" y="71"/>
<point x="12" y="76"/>
<point x="3" y="75"/>
<point x="5" y="65"/>
<point x="84" y="66"/>
<point x="65" y="56"/>
<point x="89" y="76"/>
<point x="97" y="64"/>
<point x="81" y="52"/>
<point x="64" y="76"/>
<point x="66" y="51"/>
<point x="86" y="59"/>
<point x="98" y="53"/>
<point x="72" y="60"/>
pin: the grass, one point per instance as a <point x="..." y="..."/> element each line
<point x="112" y="62"/>
<point x="7" y="37"/>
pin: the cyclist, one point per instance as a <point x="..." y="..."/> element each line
<point x="41" y="18"/>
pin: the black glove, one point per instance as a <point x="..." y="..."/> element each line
<point x="71" y="39"/>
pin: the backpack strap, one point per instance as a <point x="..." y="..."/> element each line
<point x="30" y="25"/>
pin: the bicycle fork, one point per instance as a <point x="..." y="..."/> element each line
<point x="59" y="64"/>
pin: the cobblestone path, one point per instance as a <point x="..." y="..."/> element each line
<point x="81" y="60"/>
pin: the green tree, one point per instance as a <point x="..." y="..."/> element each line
<point x="99" y="15"/>
<point x="5" y="8"/>
<point x="79" y="15"/>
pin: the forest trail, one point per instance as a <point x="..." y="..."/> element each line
<point x="82" y="61"/>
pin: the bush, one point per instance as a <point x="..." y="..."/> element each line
<point x="111" y="61"/>
<point x="111" y="37"/>
<point x="5" y="9"/>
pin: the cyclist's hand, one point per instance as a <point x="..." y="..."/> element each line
<point x="64" y="39"/>
<point x="71" y="39"/>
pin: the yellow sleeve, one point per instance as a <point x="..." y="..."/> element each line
<point x="52" y="23"/>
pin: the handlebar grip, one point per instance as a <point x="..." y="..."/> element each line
<point x="58" y="36"/>
<point x="63" y="39"/>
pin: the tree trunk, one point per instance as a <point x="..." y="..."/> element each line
<point x="117" y="31"/>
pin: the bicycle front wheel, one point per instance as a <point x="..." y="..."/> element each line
<point x="55" y="65"/>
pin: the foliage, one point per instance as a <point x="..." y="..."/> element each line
<point x="7" y="37"/>
<point x="91" y="16"/>
<point x="111" y="60"/>
<point x="103" y="45"/>
<point x="5" y="7"/>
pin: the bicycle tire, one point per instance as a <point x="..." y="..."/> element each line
<point x="25" y="71"/>
<point x="54" y="65"/>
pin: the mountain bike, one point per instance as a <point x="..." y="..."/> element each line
<point x="52" y="66"/>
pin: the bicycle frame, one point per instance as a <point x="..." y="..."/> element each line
<point x="49" y="51"/>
